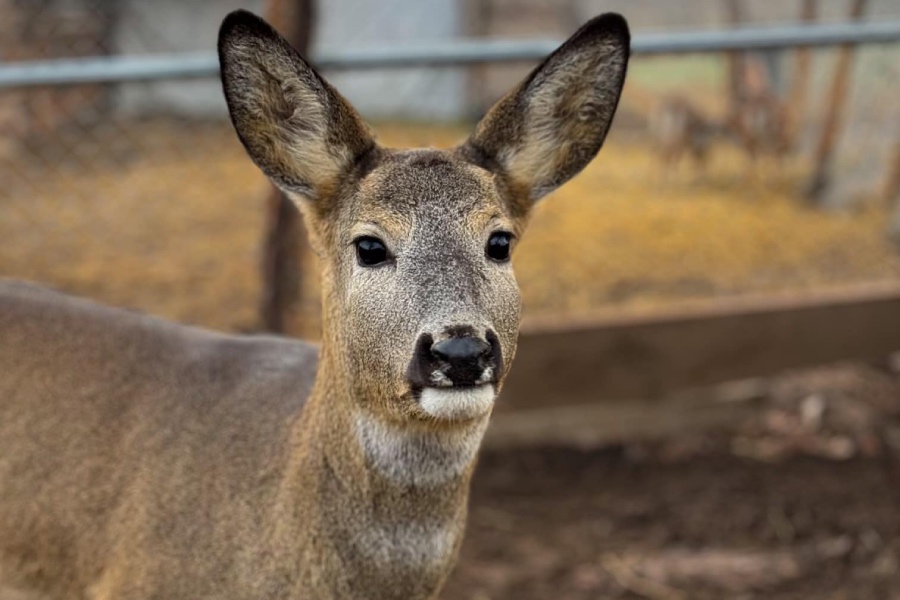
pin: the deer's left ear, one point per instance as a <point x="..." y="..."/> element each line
<point x="548" y="129"/>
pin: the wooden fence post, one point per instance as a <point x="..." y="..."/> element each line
<point x="799" y="89"/>
<point x="736" y="65"/>
<point x="834" y="112"/>
<point x="284" y="241"/>
<point x="891" y="192"/>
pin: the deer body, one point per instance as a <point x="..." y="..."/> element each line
<point x="244" y="496"/>
<point x="142" y="459"/>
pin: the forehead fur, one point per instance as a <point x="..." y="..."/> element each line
<point x="407" y="180"/>
<point x="424" y="187"/>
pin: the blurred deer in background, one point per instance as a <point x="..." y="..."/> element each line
<point x="680" y="128"/>
<point x="141" y="459"/>
<point x="758" y="121"/>
<point x="757" y="124"/>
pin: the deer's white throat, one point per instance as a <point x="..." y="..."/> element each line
<point x="418" y="457"/>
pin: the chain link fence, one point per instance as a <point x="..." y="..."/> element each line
<point x="139" y="194"/>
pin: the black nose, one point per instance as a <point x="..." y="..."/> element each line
<point x="461" y="351"/>
<point x="462" y="360"/>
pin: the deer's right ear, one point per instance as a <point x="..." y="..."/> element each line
<point x="294" y="125"/>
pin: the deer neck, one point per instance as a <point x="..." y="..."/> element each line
<point x="387" y="500"/>
<point x="374" y="457"/>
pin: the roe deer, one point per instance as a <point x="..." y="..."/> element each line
<point x="679" y="127"/>
<point x="758" y="123"/>
<point x="758" y="129"/>
<point x="143" y="459"/>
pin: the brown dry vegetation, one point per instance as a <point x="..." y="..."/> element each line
<point x="175" y="229"/>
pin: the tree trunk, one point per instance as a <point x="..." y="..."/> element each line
<point x="834" y="113"/>
<point x="477" y="18"/>
<point x="735" y="65"/>
<point x="799" y="91"/>
<point x="891" y="193"/>
<point x="891" y="190"/>
<point x="284" y="242"/>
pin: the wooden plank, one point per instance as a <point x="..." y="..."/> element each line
<point x="580" y="361"/>
<point x="721" y="409"/>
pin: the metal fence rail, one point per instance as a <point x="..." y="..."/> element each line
<point x="450" y="53"/>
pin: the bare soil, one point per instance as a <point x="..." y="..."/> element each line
<point x="800" y="501"/>
<point x="564" y="524"/>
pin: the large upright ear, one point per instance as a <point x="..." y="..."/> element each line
<point x="294" y="125"/>
<point x="548" y="129"/>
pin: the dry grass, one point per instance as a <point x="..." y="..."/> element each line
<point x="177" y="233"/>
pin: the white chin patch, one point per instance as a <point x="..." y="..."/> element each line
<point x="457" y="403"/>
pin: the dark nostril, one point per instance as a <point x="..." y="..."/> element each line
<point x="461" y="350"/>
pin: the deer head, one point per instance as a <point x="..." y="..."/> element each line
<point x="421" y="306"/>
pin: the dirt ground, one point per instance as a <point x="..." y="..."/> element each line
<point x="577" y="525"/>
<point x="802" y="502"/>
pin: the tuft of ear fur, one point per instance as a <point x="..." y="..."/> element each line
<point x="548" y="129"/>
<point x="294" y="125"/>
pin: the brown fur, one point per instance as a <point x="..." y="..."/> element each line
<point x="142" y="459"/>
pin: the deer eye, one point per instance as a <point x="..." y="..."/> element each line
<point x="370" y="251"/>
<point x="498" y="246"/>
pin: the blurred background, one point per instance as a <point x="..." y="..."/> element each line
<point x="728" y="267"/>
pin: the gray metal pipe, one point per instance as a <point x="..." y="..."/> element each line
<point x="118" y="69"/>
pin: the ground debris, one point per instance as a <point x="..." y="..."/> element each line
<point x="727" y="569"/>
